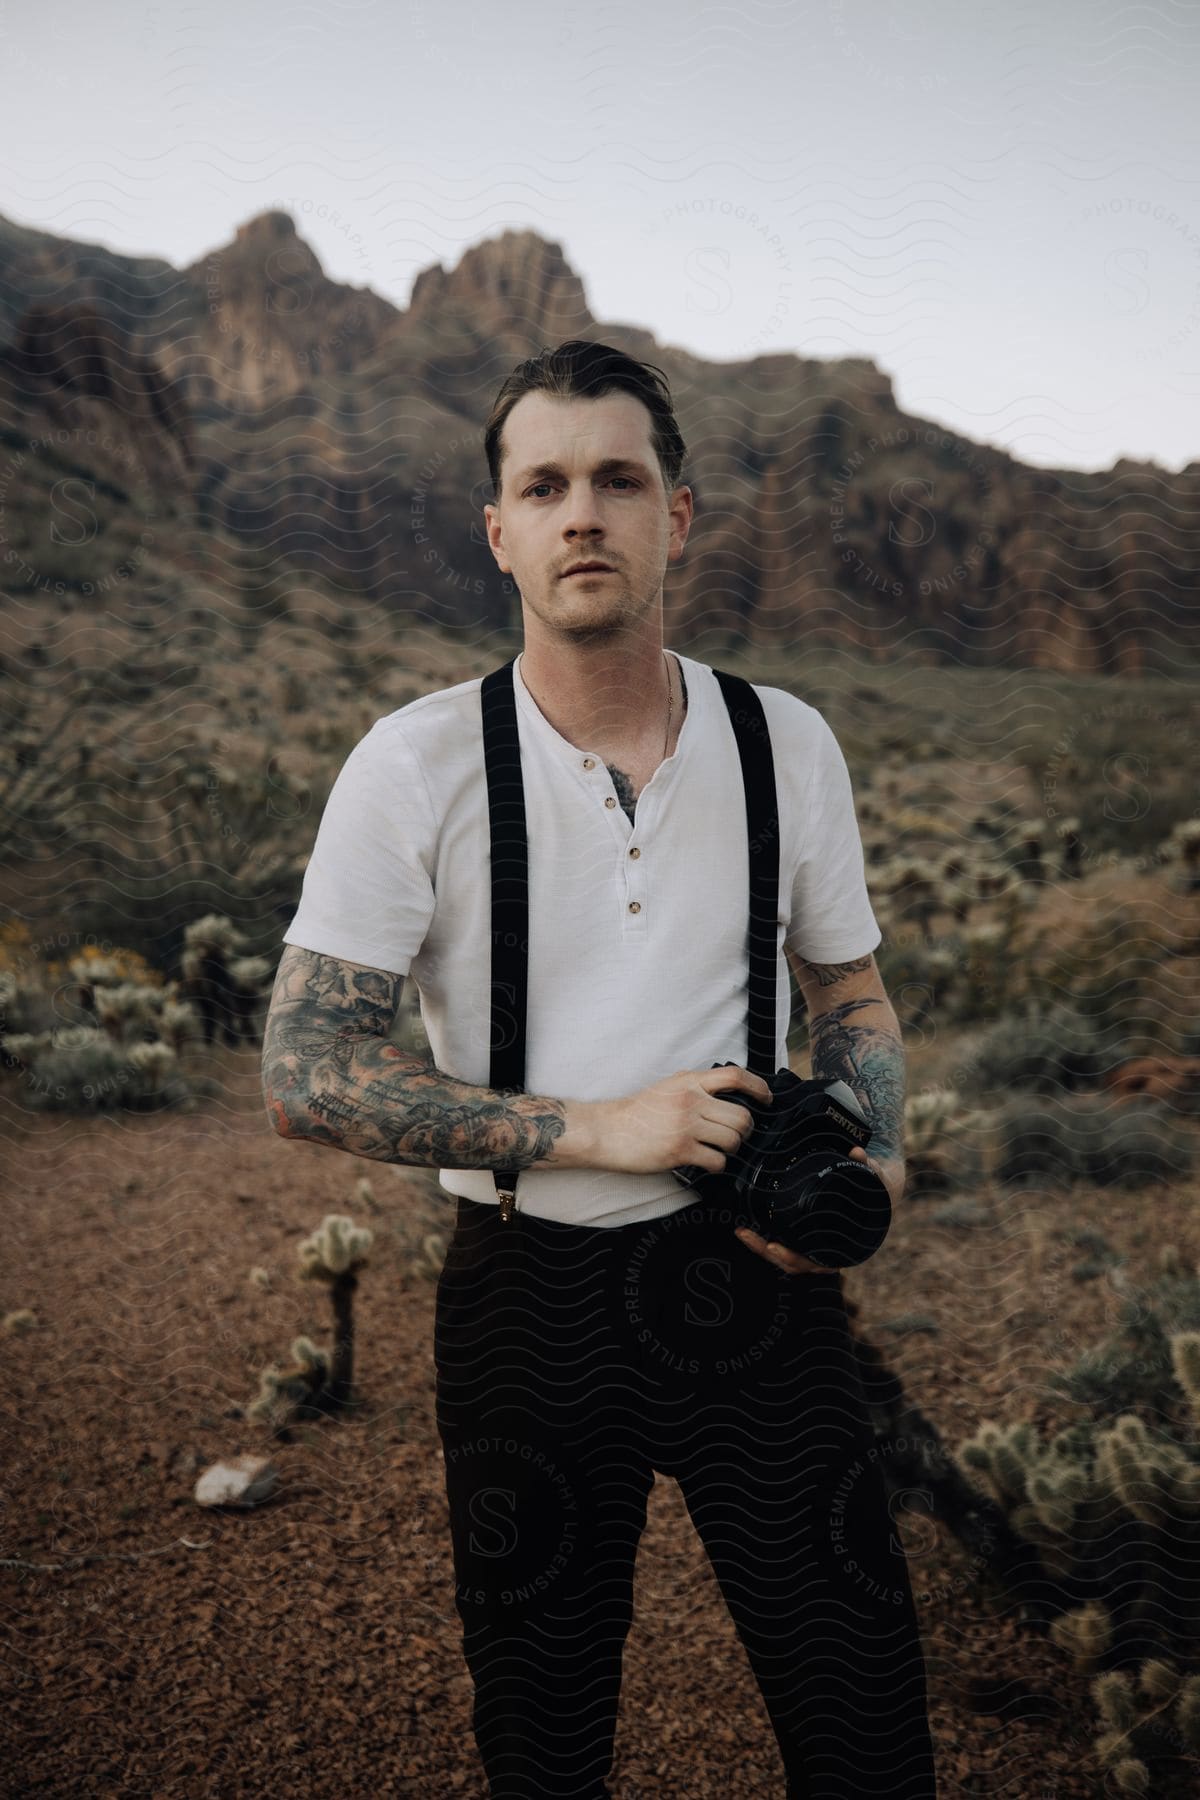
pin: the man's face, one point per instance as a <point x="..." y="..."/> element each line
<point x="581" y="483"/>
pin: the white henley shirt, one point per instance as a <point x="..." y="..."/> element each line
<point x="638" y="931"/>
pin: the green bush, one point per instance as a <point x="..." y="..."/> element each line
<point x="119" y="1042"/>
<point x="1135" y="1143"/>
<point x="1128" y="1144"/>
<point x="1047" y="1051"/>
<point x="1039" y="1141"/>
<point x="1134" y="1367"/>
<point x="1110" y="971"/>
<point x="101" y="1074"/>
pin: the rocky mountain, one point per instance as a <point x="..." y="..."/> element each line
<point x="249" y="405"/>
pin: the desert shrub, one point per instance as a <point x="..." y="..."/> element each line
<point x="938" y="1141"/>
<point x="989" y="979"/>
<point x="87" y="1077"/>
<point x="905" y="1324"/>
<point x="160" y="830"/>
<point x="1129" y="1144"/>
<point x="1096" y="767"/>
<point x="1135" y="1367"/>
<point x="1182" y="848"/>
<point x="1108" y="1514"/>
<point x="970" y="975"/>
<point x="1106" y="974"/>
<point x="1038" y="1141"/>
<point x="1135" y="1143"/>
<point x="1146" y="1722"/>
<point x="962" y="1215"/>
<point x="100" y="1040"/>
<point x="1048" y="1052"/>
<point x="919" y="978"/>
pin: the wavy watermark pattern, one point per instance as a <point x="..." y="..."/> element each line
<point x="71" y="557"/>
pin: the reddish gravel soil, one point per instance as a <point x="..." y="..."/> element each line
<point x="310" y="1646"/>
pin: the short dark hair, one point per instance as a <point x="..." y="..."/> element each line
<point x="579" y="368"/>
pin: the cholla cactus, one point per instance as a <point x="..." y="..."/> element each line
<point x="284" y="1394"/>
<point x="334" y="1253"/>
<point x="310" y="1356"/>
<point x="98" y="971"/>
<point x="934" y="1122"/>
<point x="1085" y="1633"/>
<point x="213" y="932"/>
<point x="992" y="883"/>
<point x="1133" y="1717"/>
<point x="129" y="1009"/>
<point x="1159" y="1680"/>
<point x="1000" y="1454"/>
<point x="433" y="1254"/>
<point x="224" y="984"/>
<point x="94" y="967"/>
<point x="22" y="1047"/>
<point x="1185" y="1360"/>
<point x="177" y="1022"/>
<point x="1071" y="858"/>
<point x="1129" y="1774"/>
<point x="987" y="823"/>
<point x="336" y="1248"/>
<point x="1116" y="1508"/>
<point x="1116" y="1700"/>
<point x="912" y="887"/>
<point x="1151" y="1477"/>
<point x="1031" y="850"/>
<point x="364" y="1193"/>
<point x="122" y="1050"/>
<point x="153" y="1062"/>
<point x="1183" y="846"/>
<point x="1187" y="1711"/>
<point x="955" y="879"/>
<point x="251" y="973"/>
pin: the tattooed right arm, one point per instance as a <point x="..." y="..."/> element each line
<point x="332" y="1074"/>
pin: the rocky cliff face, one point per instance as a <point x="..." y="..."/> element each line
<point x="516" y="288"/>
<point x="341" y="437"/>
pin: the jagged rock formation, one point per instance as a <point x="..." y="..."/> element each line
<point x="340" y="437"/>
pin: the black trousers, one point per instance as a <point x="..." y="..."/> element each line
<point x="573" y="1363"/>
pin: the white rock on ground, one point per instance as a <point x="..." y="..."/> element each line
<point x="242" y="1481"/>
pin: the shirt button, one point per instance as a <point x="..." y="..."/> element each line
<point x="609" y="801"/>
<point x="635" y="852"/>
<point x="635" y="906"/>
<point x="589" y="762"/>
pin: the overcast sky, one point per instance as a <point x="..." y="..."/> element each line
<point x="1000" y="206"/>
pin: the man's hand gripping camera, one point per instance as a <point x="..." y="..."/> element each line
<point x="793" y="1176"/>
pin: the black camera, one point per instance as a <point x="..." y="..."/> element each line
<point x="792" y="1174"/>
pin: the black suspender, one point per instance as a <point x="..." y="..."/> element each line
<point x="762" y="835"/>
<point x="510" y="883"/>
<point x="510" y="896"/>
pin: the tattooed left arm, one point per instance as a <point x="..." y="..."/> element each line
<point x="854" y="1037"/>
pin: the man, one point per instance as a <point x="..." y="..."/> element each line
<point x="612" y="1327"/>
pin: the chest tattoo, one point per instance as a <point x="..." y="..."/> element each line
<point x="624" y="787"/>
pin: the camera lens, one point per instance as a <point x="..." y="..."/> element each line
<point x="833" y="1209"/>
